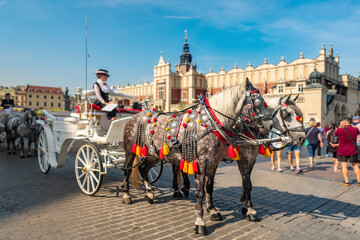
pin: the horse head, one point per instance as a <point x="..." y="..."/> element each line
<point x="287" y="118"/>
<point x="255" y="109"/>
<point x="29" y="118"/>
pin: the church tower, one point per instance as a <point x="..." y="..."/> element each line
<point x="185" y="59"/>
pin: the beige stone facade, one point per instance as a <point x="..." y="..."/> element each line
<point x="324" y="94"/>
<point x="44" y="97"/>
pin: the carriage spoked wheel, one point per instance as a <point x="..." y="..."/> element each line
<point x="155" y="172"/>
<point x="88" y="169"/>
<point x="43" y="153"/>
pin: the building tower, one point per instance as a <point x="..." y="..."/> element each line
<point x="185" y="58"/>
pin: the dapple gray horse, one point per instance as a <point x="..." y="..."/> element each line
<point x="210" y="149"/>
<point x="285" y="117"/>
<point x="21" y="126"/>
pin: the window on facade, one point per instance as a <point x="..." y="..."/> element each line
<point x="300" y="88"/>
<point x="52" y="97"/>
<point x="37" y="103"/>
<point x="30" y="89"/>
<point x="52" y="104"/>
<point x="161" y="92"/>
<point x="44" y="104"/>
<point x="184" y="95"/>
<point x="281" y="89"/>
<point x="59" y="105"/>
<point x="37" y="90"/>
<point x="45" y="96"/>
<point x="37" y="96"/>
<point x="16" y="98"/>
<point x="45" y="90"/>
<point x="59" y="98"/>
<point x="30" y="96"/>
<point x="30" y="103"/>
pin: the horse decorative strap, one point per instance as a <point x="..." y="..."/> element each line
<point x="139" y="147"/>
<point x="152" y="148"/>
<point x="188" y="162"/>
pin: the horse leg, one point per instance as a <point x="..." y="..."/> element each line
<point x="13" y="145"/>
<point x="186" y="189"/>
<point x="245" y="166"/>
<point x="175" y="183"/>
<point x="144" y="169"/>
<point x="127" y="172"/>
<point x="22" y="147"/>
<point x="200" y="226"/>
<point x="29" y="150"/>
<point x="8" y="140"/>
<point x="209" y="188"/>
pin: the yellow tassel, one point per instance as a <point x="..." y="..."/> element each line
<point x="166" y="150"/>
<point x="138" y="150"/>
<point x="237" y="155"/>
<point x="185" y="167"/>
<point x="190" y="168"/>
<point x="267" y="152"/>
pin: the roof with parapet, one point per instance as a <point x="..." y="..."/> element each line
<point x="43" y="88"/>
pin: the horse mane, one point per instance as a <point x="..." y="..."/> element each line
<point x="227" y="101"/>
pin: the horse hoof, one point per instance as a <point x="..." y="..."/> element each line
<point x="200" y="230"/>
<point x="253" y="218"/>
<point x="151" y="201"/>
<point x="22" y="156"/>
<point x="185" y="192"/>
<point x="14" y="153"/>
<point x="216" y="217"/>
<point x="8" y="153"/>
<point x="127" y="201"/>
<point x="178" y="195"/>
<point x="29" y="155"/>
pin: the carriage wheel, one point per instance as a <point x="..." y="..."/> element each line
<point x="43" y="153"/>
<point x="88" y="169"/>
<point x="155" y="172"/>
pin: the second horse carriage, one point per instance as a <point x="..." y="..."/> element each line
<point x="96" y="143"/>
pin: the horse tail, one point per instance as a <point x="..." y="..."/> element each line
<point x="179" y="178"/>
<point x="135" y="174"/>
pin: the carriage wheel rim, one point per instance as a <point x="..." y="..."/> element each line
<point x="87" y="169"/>
<point x="43" y="155"/>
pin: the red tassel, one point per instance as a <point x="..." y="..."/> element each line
<point x="134" y="148"/>
<point x="162" y="153"/>
<point x="195" y="166"/>
<point x="145" y="151"/>
<point x="231" y="152"/>
<point x="182" y="164"/>
<point x="141" y="152"/>
<point x="262" y="150"/>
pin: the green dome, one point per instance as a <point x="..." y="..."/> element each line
<point x="315" y="77"/>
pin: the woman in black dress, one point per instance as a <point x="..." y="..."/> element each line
<point x="333" y="144"/>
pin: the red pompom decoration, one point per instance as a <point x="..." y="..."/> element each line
<point x="145" y="151"/>
<point x="155" y="119"/>
<point x="154" y="109"/>
<point x="189" y="111"/>
<point x="182" y="164"/>
<point x="297" y="118"/>
<point x="184" y="125"/>
<point x="265" y="104"/>
<point x="205" y="126"/>
<point x="148" y="121"/>
<point x="174" y="116"/>
<point x="152" y="131"/>
<point x="231" y="152"/>
<point x="262" y="150"/>
<point x="162" y="153"/>
<point x="195" y="166"/>
<point x="168" y="137"/>
<point x="198" y="112"/>
<point x="252" y="114"/>
<point x="134" y="148"/>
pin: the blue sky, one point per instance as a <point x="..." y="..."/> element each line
<point x="42" y="42"/>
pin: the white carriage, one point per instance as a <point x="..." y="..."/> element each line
<point x="97" y="142"/>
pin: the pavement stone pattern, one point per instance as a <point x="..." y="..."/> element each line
<point x="304" y="206"/>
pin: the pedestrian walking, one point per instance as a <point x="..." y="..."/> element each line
<point x="347" y="150"/>
<point x="314" y="139"/>
<point x="333" y="144"/>
<point x="274" y="133"/>
<point x="291" y="150"/>
<point x="322" y="134"/>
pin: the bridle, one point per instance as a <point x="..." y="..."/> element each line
<point x="284" y="113"/>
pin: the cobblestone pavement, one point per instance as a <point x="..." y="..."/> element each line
<point x="313" y="205"/>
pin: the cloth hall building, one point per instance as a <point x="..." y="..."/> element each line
<point x="324" y="95"/>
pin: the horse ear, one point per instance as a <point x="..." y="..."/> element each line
<point x="285" y="99"/>
<point x="249" y="85"/>
<point x="296" y="97"/>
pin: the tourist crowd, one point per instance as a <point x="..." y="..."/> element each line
<point x="343" y="142"/>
